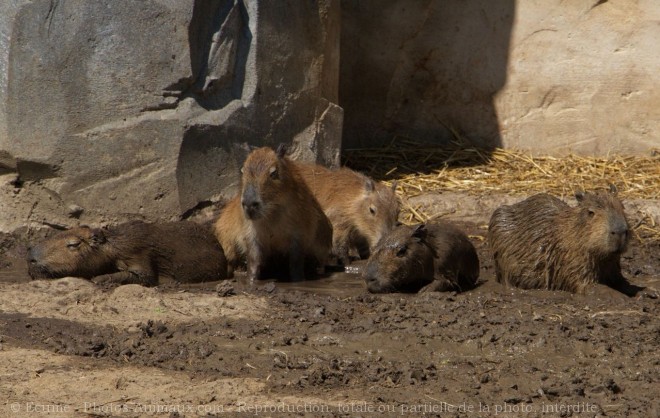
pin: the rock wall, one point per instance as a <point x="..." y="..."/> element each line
<point x="583" y="77"/>
<point x="119" y="109"/>
<point x="421" y="68"/>
<point x="546" y="76"/>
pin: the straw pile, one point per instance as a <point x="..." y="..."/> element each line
<point x="423" y="168"/>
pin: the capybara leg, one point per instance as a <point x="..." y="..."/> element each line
<point x="124" y="277"/>
<point x="498" y="270"/>
<point x="254" y="263"/>
<point x="232" y="260"/>
<point x="631" y="290"/>
<point x="230" y="271"/>
<point x="340" y="247"/>
<point x="342" y="254"/>
<point x="296" y="263"/>
<point x="440" y="284"/>
<point x="320" y="270"/>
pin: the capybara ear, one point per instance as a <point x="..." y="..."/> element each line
<point x="394" y="184"/>
<point x="419" y="233"/>
<point x="281" y="150"/>
<point x="579" y="196"/>
<point x="97" y="237"/>
<point x="369" y="185"/>
<point x="613" y="189"/>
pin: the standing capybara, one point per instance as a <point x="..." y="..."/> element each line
<point x="135" y="252"/>
<point x="361" y="211"/>
<point x="543" y="243"/>
<point x="436" y="256"/>
<point x="274" y="219"/>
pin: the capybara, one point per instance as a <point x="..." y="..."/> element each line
<point x="275" y="223"/>
<point x="543" y="243"/>
<point x="361" y="211"/>
<point x="135" y="252"/>
<point x="436" y="256"/>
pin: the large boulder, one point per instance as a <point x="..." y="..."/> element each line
<point x="116" y="109"/>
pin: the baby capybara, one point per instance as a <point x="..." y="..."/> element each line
<point x="135" y="252"/>
<point x="361" y="211"/>
<point x="436" y="256"/>
<point x="275" y="223"/>
<point x="543" y="243"/>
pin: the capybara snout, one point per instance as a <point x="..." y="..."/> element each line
<point x="251" y="203"/>
<point x="619" y="236"/>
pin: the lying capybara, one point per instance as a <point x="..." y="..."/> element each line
<point x="134" y="252"/>
<point x="543" y="243"/>
<point x="436" y="256"/>
<point x="361" y="211"/>
<point x="275" y="223"/>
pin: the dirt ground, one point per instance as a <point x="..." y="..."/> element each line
<point x="327" y="347"/>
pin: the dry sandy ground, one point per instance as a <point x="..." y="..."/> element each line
<point x="328" y="348"/>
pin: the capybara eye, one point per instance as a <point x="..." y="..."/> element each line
<point x="591" y="213"/>
<point x="73" y="244"/>
<point x="402" y="251"/>
<point x="273" y="173"/>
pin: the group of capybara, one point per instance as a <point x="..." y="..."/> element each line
<point x="292" y="219"/>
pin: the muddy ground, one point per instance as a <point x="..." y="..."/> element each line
<point x="327" y="347"/>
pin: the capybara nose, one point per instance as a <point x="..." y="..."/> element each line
<point x="370" y="271"/>
<point x="370" y="277"/>
<point x="251" y="208"/>
<point x="373" y="286"/>
<point x="620" y="232"/>
<point x="622" y="235"/>
<point x="620" y="238"/>
<point x="251" y="202"/>
<point x="31" y="255"/>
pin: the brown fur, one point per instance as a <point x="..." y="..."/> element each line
<point x="436" y="256"/>
<point x="274" y="217"/>
<point x="543" y="243"/>
<point x="135" y="252"/>
<point x="361" y="211"/>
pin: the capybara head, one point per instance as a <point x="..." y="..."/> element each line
<point x="376" y="212"/>
<point x="601" y="223"/>
<point x="402" y="261"/>
<point x="75" y="252"/>
<point x="264" y="179"/>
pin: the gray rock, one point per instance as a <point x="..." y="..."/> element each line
<point x="146" y="109"/>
